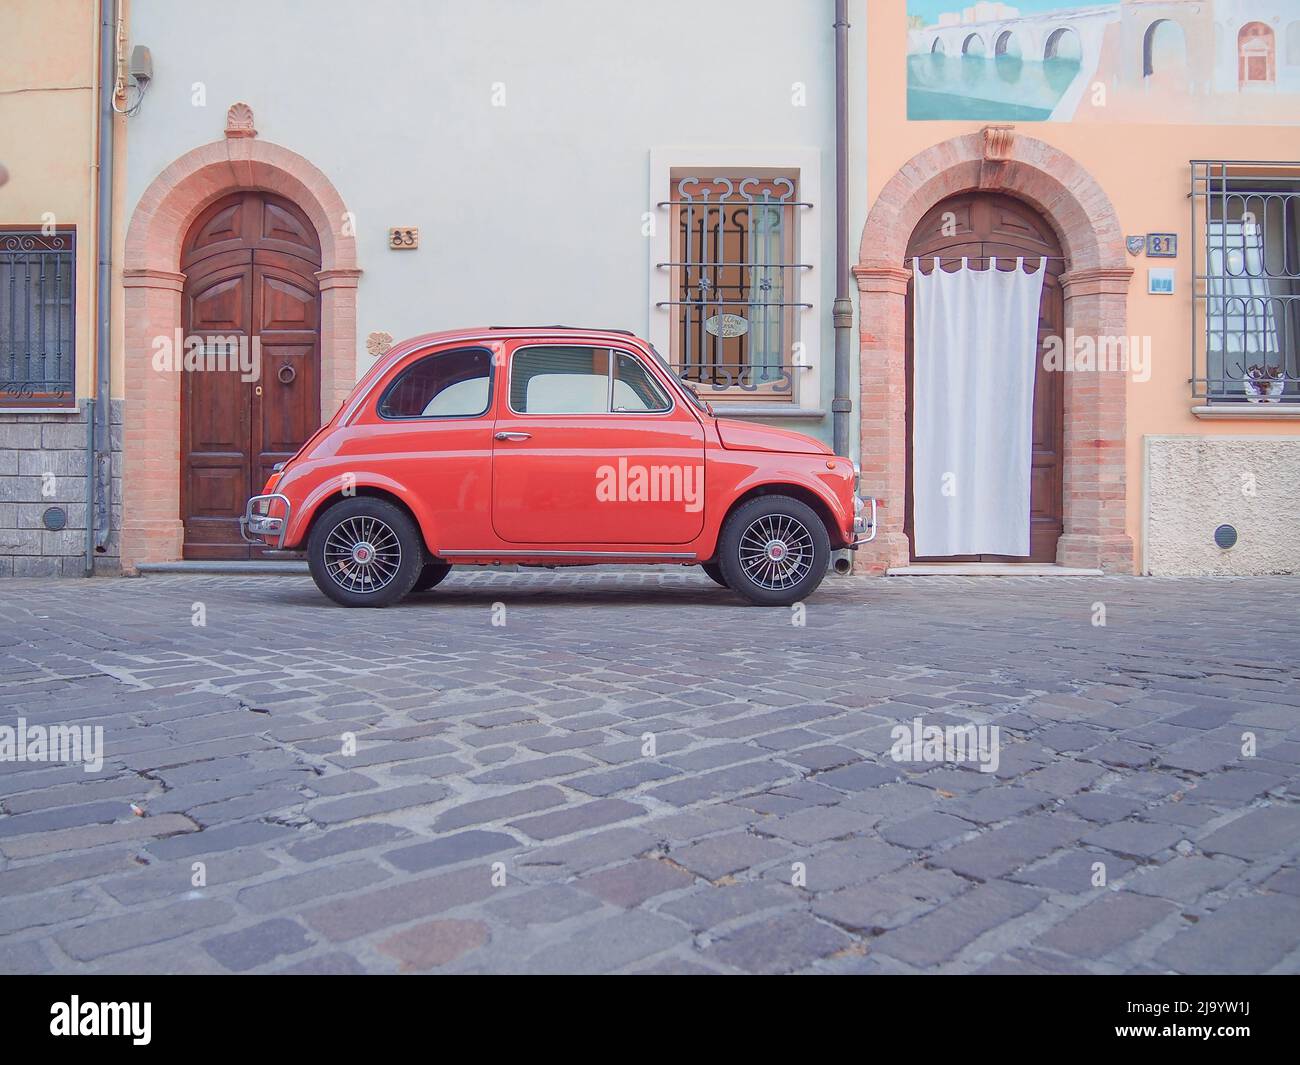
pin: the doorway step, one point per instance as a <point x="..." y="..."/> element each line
<point x="269" y="568"/>
<point x="988" y="569"/>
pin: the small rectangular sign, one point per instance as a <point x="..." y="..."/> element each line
<point x="1162" y="245"/>
<point x="404" y="238"/>
<point x="1160" y="281"/>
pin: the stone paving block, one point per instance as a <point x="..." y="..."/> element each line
<point x="1075" y="871"/>
<point x="176" y="880"/>
<point x="534" y="769"/>
<point x="1234" y="787"/>
<point x="1243" y="936"/>
<point x="943" y="932"/>
<point x="85" y="837"/>
<point x="1186" y="878"/>
<point x="634" y="883"/>
<point x="259" y="944"/>
<point x="312" y="847"/>
<point x="589" y="851"/>
<point x="499" y="807"/>
<point x="358" y="915"/>
<point x="450" y="850"/>
<point x="852" y="862"/>
<point x="126" y="931"/>
<point x="369" y="804"/>
<point x="37" y="911"/>
<point x="23" y="958"/>
<point x="711" y="905"/>
<point x="1105" y="924"/>
<point x="334" y="963"/>
<point x="216" y="840"/>
<point x="45" y="873"/>
<point x="612" y="944"/>
<point x="1100" y="807"/>
<point x="581" y="818"/>
<point x="779" y="945"/>
<point x="1135" y="839"/>
<point x="860" y="776"/>
<point x="289" y="891"/>
<point x="723" y="782"/>
<point x="991" y="805"/>
<point x="1262" y="833"/>
<point x="548" y="904"/>
<point x="816" y="825"/>
<point x="1002" y="850"/>
<point x="925" y="831"/>
<point x="724" y="855"/>
<point x="434" y="943"/>
<point x="890" y="900"/>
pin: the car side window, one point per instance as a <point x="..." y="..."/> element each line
<point x="562" y="379"/>
<point x="634" y="389"/>
<point x="450" y="384"/>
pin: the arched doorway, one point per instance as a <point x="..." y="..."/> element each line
<point x="1256" y="55"/>
<point x="250" y="262"/>
<point x="981" y="224"/>
<point x="1095" y="295"/>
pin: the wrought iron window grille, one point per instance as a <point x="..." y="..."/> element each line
<point x="38" y="294"/>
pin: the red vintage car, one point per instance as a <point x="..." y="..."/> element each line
<point x="551" y="447"/>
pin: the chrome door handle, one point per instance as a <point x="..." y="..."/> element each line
<point x="514" y="436"/>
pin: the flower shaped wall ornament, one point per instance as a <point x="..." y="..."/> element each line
<point x="379" y="342"/>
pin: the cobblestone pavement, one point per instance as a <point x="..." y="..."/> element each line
<point x="499" y="812"/>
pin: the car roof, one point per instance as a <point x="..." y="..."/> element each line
<point x="498" y="331"/>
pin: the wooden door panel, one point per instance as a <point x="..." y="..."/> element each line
<point x="980" y="225"/>
<point x="250" y="263"/>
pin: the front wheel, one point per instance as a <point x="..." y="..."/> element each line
<point x="365" y="552"/>
<point x="774" y="551"/>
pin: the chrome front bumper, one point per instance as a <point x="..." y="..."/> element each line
<point x="864" y="525"/>
<point x="256" y="528"/>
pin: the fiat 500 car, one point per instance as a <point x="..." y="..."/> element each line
<point x="551" y="447"/>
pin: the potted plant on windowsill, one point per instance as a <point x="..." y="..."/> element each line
<point x="1262" y="384"/>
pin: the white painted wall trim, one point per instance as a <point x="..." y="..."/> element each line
<point x="667" y="163"/>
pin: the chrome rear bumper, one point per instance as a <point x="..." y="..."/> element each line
<point x="256" y="528"/>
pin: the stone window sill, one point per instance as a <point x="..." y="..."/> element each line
<point x="724" y="409"/>
<point x="1249" y="411"/>
<point x="40" y="410"/>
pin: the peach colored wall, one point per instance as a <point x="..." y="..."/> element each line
<point x="1144" y="170"/>
<point x="48" y="64"/>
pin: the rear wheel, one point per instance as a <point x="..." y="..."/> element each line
<point x="431" y="576"/>
<point x="365" y="552"/>
<point x="714" y="572"/>
<point x="774" y="550"/>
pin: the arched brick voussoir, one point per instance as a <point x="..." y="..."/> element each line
<point x="181" y="192"/>
<point x="1043" y="176"/>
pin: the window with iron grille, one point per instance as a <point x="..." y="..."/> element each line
<point x="37" y="317"/>
<point x="1246" y="274"/>
<point x="736" y="286"/>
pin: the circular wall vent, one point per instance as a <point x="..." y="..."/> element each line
<point x="1225" y="536"/>
<point x="55" y="518"/>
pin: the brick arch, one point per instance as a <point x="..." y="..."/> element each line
<point x="1095" y="288"/>
<point x="151" y="522"/>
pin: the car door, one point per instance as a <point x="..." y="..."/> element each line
<point x="590" y="448"/>
<point x="430" y="432"/>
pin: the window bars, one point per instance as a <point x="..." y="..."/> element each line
<point x="736" y="285"/>
<point x="37" y="317"/>
<point x="1246" y="281"/>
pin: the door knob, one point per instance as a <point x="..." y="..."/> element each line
<point x="514" y="436"/>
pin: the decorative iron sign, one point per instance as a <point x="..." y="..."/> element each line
<point x="726" y="325"/>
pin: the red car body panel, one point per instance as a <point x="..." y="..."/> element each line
<point x="479" y="499"/>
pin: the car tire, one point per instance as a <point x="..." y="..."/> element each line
<point x="431" y="576"/>
<point x="774" y="550"/>
<point x="365" y="552"/>
<point x="714" y="573"/>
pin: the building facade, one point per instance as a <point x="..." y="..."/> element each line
<point x="298" y="192"/>
<point x="1146" y="155"/>
<point x="51" y="523"/>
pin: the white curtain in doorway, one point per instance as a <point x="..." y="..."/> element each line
<point x="975" y="343"/>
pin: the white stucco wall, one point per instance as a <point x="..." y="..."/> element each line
<point x="529" y="213"/>
<point x="1193" y="484"/>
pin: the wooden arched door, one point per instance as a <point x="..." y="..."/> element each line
<point x="987" y="224"/>
<point x="250" y="263"/>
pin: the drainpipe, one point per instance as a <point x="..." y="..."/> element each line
<point x="842" y="310"/>
<point x="99" y="409"/>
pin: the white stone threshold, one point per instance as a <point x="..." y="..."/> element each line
<point x="988" y="569"/>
